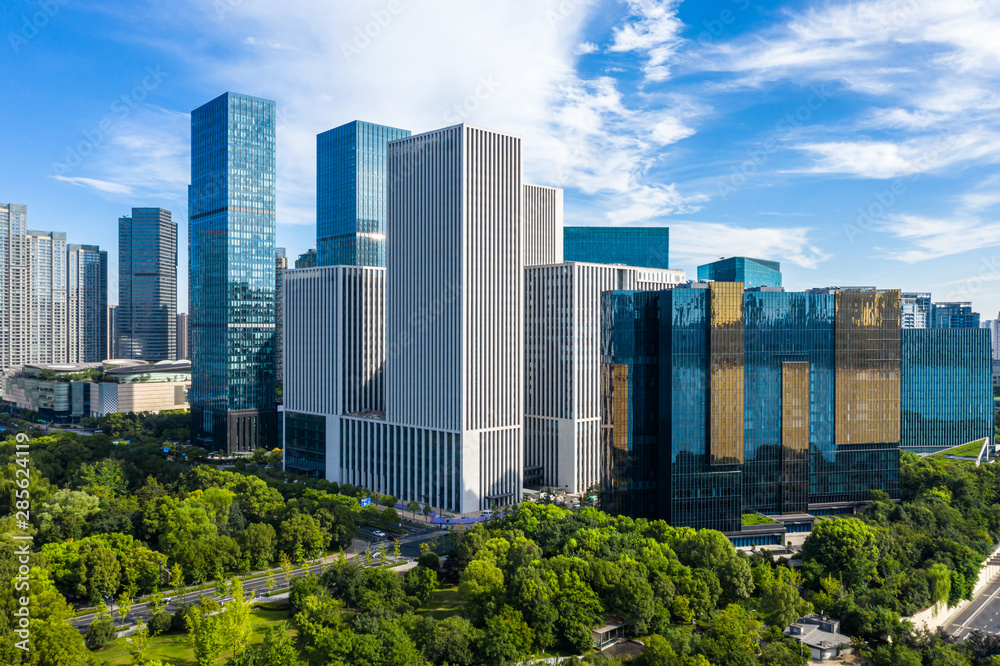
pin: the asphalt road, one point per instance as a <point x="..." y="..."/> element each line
<point x="982" y="613"/>
<point x="141" y="610"/>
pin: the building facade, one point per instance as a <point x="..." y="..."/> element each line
<point x="915" y="310"/>
<point x="563" y="370"/>
<point x="751" y="272"/>
<point x="335" y="323"/>
<point x="112" y="333"/>
<point x="947" y="396"/>
<point x="954" y="315"/>
<point x="307" y="259"/>
<point x="183" y="322"/>
<point x="14" y="332"/>
<point x="232" y="290"/>
<point x="631" y="246"/>
<point x="280" y="266"/>
<point x="87" y="296"/>
<point x="48" y="333"/>
<point x="147" y="285"/>
<point x="543" y="228"/>
<point x="351" y="193"/>
<point x="719" y="402"/>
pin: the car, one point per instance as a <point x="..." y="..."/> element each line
<point x="393" y="537"/>
<point x="380" y="534"/>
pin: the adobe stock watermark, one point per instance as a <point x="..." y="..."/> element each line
<point x="564" y="10"/>
<point x="31" y="25"/>
<point x="872" y="215"/>
<point x="989" y="271"/>
<point x="758" y="157"/>
<point x="223" y="7"/>
<point x="22" y="505"/>
<point x="364" y="34"/>
<point x="120" y="109"/>
<point x="716" y="28"/>
<point x="462" y="111"/>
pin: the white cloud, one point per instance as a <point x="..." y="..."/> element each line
<point x="654" y="29"/>
<point x="702" y="242"/>
<point x="103" y="186"/>
<point x="931" y="238"/>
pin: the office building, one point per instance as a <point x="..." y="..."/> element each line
<point x="87" y="295"/>
<point x="351" y="193"/>
<point x="751" y="272"/>
<point x="947" y="390"/>
<point x="954" y="315"/>
<point x="182" y="336"/>
<point x="631" y="246"/>
<point x="232" y="254"/>
<point x="915" y="310"/>
<point x="442" y="422"/>
<point x="280" y="266"/>
<point x="147" y="285"/>
<point x="335" y="360"/>
<point x="307" y="259"/>
<point x="111" y="349"/>
<point x="563" y="369"/>
<point x="47" y="299"/>
<point x="543" y="225"/>
<point x="719" y="402"/>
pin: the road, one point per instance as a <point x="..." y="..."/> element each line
<point x="410" y="548"/>
<point x="982" y="613"/>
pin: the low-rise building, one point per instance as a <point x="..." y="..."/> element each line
<point x="821" y="635"/>
<point x="71" y="391"/>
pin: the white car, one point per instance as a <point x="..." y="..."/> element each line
<point x="380" y="534"/>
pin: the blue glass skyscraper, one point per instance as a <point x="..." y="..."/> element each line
<point x="646" y="247"/>
<point x="751" y="272"/>
<point x="947" y="388"/>
<point x="351" y="193"/>
<point x="232" y="276"/>
<point x="953" y="315"/>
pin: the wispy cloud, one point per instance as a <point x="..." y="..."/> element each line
<point x="103" y="186"/>
<point x="701" y="242"/>
<point x="654" y="31"/>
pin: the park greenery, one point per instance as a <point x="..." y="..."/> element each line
<point x="118" y="521"/>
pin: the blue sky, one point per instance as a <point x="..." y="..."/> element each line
<point x="854" y="142"/>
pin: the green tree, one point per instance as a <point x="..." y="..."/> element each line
<point x="506" y="638"/>
<point x="781" y="605"/>
<point x="278" y="649"/>
<point x="452" y="641"/>
<point x="420" y="582"/>
<point x="236" y="618"/>
<point x="733" y="638"/>
<point x="204" y="635"/>
<point x="844" y="548"/>
<point x="138" y="644"/>
<point x="259" y="541"/>
<point x="300" y="536"/>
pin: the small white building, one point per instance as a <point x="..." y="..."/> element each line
<point x="821" y="635"/>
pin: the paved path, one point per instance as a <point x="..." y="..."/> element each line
<point x="258" y="584"/>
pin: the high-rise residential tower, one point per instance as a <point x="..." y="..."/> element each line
<point x="182" y="336"/>
<point x="915" y="310"/>
<point x="631" y="246"/>
<point x="147" y="285"/>
<point x="87" y="292"/>
<point x="751" y="272"/>
<point x="47" y="306"/>
<point x="351" y="193"/>
<point x="112" y="332"/>
<point x="280" y="266"/>
<point x="543" y="225"/>
<point x="14" y="285"/>
<point x="232" y="257"/>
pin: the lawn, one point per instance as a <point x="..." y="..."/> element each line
<point x="174" y="648"/>
<point x="971" y="449"/>
<point x="442" y="603"/>
<point x="756" y="519"/>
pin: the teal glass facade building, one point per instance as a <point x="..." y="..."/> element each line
<point x="305" y="444"/>
<point x="953" y="315"/>
<point x="231" y="203"/>
<point x="718" y="403"/>
<point x="351" y="193"/>
<point x="645" y="247"/>
<point x="947" y="388"/>
<point x="751" y="272"/>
